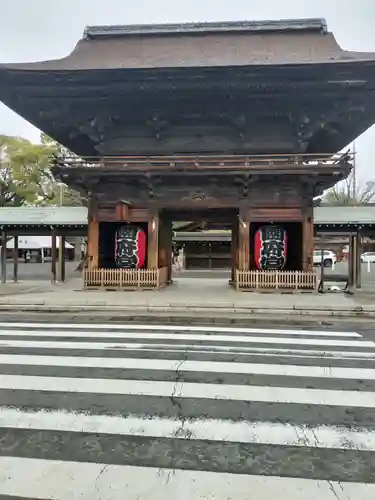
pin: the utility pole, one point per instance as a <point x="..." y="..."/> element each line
<point x="354" y="174"/>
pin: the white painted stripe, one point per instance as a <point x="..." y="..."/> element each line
<point x="192" y="366"/>
<point x="202" y="338"/>
<point x="48" y="331"/>
<point x="207" y="429"/>
<point x="190" y="390"/>
<point x="243" y="350"/>
<point x="250" y="351"/>
<point x="53" y="479"/>
<point x="279" y="370"/>
<point x="169" y="328"/>
<point x="260" y="351"/>
<point x="289" y="353"/>
<point x="326" y="354"/>
<point x="253" y="351"/>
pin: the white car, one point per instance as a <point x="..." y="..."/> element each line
<point x="368" y="257"/>
<point x="329" y="258"/>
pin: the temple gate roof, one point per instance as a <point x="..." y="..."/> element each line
<point x="199" y="88"/>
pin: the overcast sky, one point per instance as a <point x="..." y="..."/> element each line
<point x="32" y="30"/>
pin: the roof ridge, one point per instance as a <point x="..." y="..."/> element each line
<point x="308" y="24"/>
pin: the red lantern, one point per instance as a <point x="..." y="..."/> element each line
<point x="270" y="248"/>
<point x="130" y="247"/>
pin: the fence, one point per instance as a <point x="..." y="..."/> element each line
<point x="125" y="278"/>
<point x="299" y="280"/>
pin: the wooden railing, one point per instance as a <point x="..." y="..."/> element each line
<point x="299" y="280"/>
<point x="125" y="278"/>
<point x="206" y="161"/>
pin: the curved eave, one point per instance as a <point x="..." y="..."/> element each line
<point x="28" y="92"/>
<point x="71" y="63"/>
<point x="358" y="72"/>
<point x="35" y="94"/>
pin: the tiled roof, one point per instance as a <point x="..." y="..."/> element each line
<point x="344" y="215"/>
<point x="214" y="27"/>
<point x="196" y="45"/>
<point x="77" y="216"/>
<point x="43" y="216"/>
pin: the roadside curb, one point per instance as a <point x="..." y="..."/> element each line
<point x="233" y="321"/>
<point x="191" y="311"/>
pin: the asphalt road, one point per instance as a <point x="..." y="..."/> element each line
<point x="115" y="411"/>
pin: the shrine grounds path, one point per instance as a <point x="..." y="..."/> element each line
<point x="42" y="272"/>
<point x="196" y="296"/>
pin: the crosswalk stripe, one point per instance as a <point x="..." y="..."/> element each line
<point x="189" y="390"/>
<point x="253" y="351"/>
<point x="152" y="411"/>
<point x="199" y="338"/>
<point x="171" y="328"/>
<point x="206" y="429"/>
<point x="46" y="479"/>
<point x="243" y="351"/>
<point x="129" y="333"/>
<point x="192" y="366"/>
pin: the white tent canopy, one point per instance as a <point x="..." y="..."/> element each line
<point x="35" y="242"/>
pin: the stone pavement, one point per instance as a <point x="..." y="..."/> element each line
<point x="187" y="296"/>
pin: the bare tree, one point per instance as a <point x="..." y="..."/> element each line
<point x="349" y="192"/>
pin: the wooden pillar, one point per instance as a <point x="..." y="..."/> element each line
<point x="93" y="237"/>
<point x="165" y="246"/>
<point x="358" y="278"/>
<point x="352" y="260"/>
<point x="234" y="249"/>
<point x="153" y="241"/>
<point x="15" y="259"/>
<point x="243" y="241"/>
<point x="53" y="256"/>
<point x="170" y="255"/>
<point x="322" y="263"/>
<point x="3" y="257"/>
<point x="169" y="247"/>
<point x="307" y="241"/>
<point x="76" y="241"/>
<point x="62" y="258"/>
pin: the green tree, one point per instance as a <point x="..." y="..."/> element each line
<point x="26" y="177"/>
<point x="10" y="194"/>
<point x="63" y="195"/>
